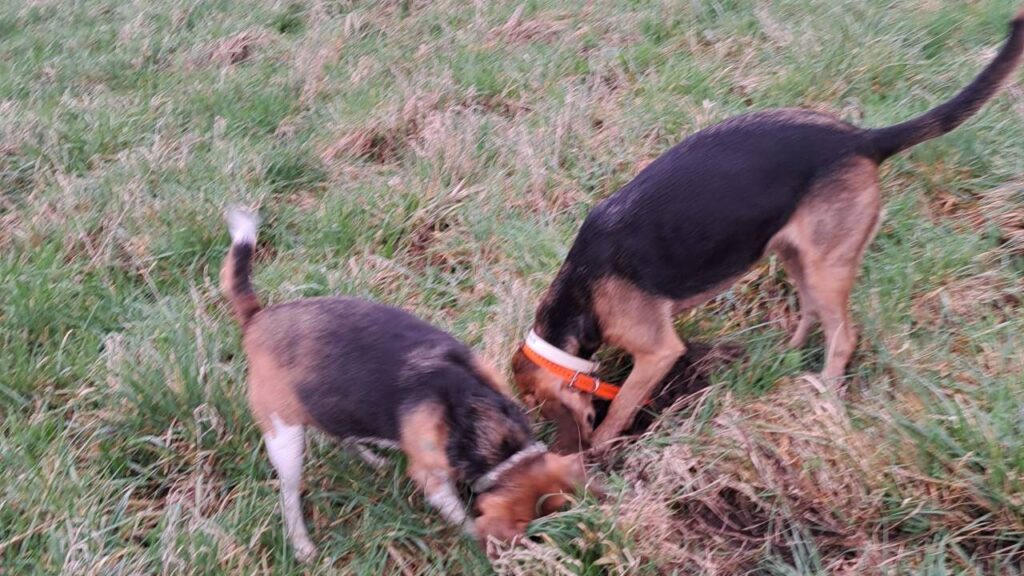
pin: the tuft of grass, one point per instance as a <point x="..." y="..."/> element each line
<point x="440" y="157"/>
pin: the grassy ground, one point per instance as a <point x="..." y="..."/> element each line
<point x="439" y="156"/>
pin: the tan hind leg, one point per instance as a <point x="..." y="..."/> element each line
<point x="790" y="259"/>
<point x="822" y="247"/>
<point x="830" y="286"/>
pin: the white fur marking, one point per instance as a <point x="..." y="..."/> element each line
<point x="447" y="501"/>
<point x="488" y="480"/>
<point x="375" y="442"/>
<point x="285" y="445"/>
<point x="242" y="225"/>
<point x="370" y="457"/>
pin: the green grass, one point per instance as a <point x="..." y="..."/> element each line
<point x="440" y="156"/>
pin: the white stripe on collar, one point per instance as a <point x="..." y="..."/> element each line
<point x="554" y="354"/>
<point x="487" y="481"/>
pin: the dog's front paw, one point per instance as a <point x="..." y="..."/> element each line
<point x="305" y="551"/>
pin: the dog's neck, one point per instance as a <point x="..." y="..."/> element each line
<point x="491" y="478"/>
<point x="565" y="318"/>
<point x="485" y="429"/>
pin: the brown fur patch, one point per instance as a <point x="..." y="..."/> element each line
<point x="524" y="375"/>
<point x="629" y="317"/>
<point x="492" y="377"/>
<point x="821" y="248"/>
<point x="532" y="489"/>
<point x="494" y="430"/>
<point x="424" y="436"/>
<point x="271" y="388"/>
<point x="556" y="402"/>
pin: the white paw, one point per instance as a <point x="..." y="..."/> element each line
<point x="304" y="551"/>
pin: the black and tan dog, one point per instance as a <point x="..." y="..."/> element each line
<point x="369" y="373"/>
<point x="800" y="183"/>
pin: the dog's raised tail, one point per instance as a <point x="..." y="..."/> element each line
<point x="237" y="268"/>
<point x="884" y="142"/>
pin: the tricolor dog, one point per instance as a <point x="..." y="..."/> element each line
<point x="798" y="183"/>
<point x="365" y="372"/>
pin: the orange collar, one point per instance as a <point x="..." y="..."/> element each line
<point x="539" y="352"/>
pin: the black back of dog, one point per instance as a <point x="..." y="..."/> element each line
<point x="363" y="364"/>
<point x="705" y="210"/>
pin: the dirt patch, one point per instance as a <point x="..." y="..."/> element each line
<point x="966" y="298"/>
<point x="690" y="375"/>
<point x="383" y="137"/>
<point x="232" y="50"/>
<point x="424" y="123"/>
<point x="374" y="143"/>
<point x="763" y="479"/>
<point x="999" y="211"/>
<point x="519" y="30"/>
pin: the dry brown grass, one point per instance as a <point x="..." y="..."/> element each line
<point x="1000" y="209"/>
<point x="973" y="297"/>
<point x="790" y="465"/>
<point x="233" y="50"/>
<point x="519" y="30"/>
<point x="1004" y="209"/>
<point x="383" y="137"/>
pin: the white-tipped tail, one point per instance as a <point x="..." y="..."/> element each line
<point x="242" y="225"/>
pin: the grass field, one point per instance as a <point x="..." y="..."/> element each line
<point x="439" y="156"/>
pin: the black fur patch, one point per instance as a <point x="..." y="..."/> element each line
<point x="705" y="210"/>
<point x="366" y="365"/>
<point x="242" y="254"/>
<point x="471" y="447"/>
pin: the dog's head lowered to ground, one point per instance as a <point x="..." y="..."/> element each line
<point x="571" y="410"/>
<point x="537" y="486"/>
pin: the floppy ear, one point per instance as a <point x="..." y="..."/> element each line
<point x="497" y="522"/>
<point x="501" y="528"/>
<point x="522" y="375"/>
<point x="569" y="469"/>
<point x="567" y="432"/>
<point x="497" y="514"/>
